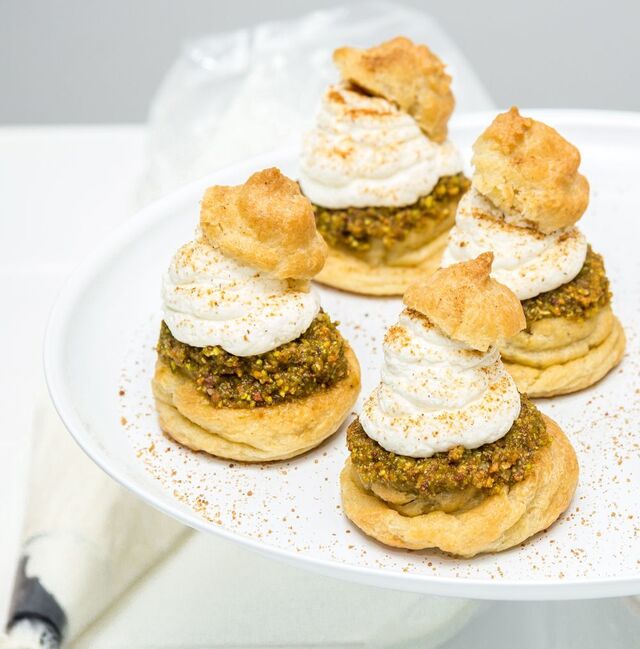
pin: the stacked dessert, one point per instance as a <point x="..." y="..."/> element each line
<point x="378" y="167"/>
<point x="446" y="453"/>
<point x="525" y="199"/>
<point x="249" y="366"/>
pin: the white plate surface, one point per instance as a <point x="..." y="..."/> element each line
<point x="99" y="358"/>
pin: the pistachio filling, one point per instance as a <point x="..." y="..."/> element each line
<point x="487" y="468"/>
<point x="585" y="294"/>
<point x="314" y="361"/>
<point x="364" y="231"/>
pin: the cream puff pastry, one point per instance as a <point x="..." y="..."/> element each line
<point x="249" y="366"/>
<point x="446" y="452"/>
<point x="525" y="199"/>
<point x="378" y="167"/>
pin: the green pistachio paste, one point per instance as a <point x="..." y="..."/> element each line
<point x="487" y="468"/>
<point x="359" y="229"/>
<point x="314" y="361"/>
<point x="585" y="294"/>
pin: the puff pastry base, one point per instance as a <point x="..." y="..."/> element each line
<point x="348" y="273"/>
<point x="498" y="522"/>
<point x="559" y="356"/>
<point x="251" y="435"/>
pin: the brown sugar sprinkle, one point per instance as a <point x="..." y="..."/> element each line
<point x="604" y="486"/>
<point x="357" y="113"/>
<point x="335" y="96"/>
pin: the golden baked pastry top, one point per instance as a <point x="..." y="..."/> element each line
<point x="528" y="170"/>
<point x="266" y="223"/>
<point x="467" y="304"/>
<point x="409" y="75"/>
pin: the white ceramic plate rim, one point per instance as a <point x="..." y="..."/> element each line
<point x="84" y="274"/>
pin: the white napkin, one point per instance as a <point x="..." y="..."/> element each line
<point x="85" y="538"/>
<point x="213" y="593"/>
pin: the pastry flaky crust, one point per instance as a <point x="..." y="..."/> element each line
<point x="530" y="171"/>
<point x="348" y="273"/>
<point x="467" y="304"/>
<point x="409" y="75"/>
<point x="266" y="223"/>
<point x="257" y="434"/>
<point x="559" y="356"/>
<point x="498" y="522"/>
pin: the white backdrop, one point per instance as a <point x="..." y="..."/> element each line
<point x="94" y="61"/>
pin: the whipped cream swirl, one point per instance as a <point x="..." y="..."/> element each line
<point x="210" y="299"/>
<point x="437" y="393"/>
<point x="526" y="260"/>
<point x="364" y="151"/>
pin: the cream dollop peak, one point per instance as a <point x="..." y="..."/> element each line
<point x="528" y="170"/>
<point x="266" y="223"/>
<point x="409" y="75"/>
<point x="467" y="304"/>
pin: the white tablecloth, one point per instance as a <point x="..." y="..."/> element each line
<point x="61" y="189"/>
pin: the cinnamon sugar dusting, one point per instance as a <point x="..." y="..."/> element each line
<point x="588" y="542"/>
<point x="526" y="260"/>
<point x="365" y="151"/>
<point x="436" y="394"/>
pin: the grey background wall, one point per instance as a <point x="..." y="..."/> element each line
<point x="67" y="61"/>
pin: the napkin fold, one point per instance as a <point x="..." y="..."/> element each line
<point x="86" y="539"/>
